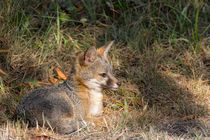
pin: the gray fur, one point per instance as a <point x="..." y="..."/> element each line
<point x="62" y="107"/>
<point x="47" y="106"/>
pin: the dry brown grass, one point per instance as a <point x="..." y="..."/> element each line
<point x="155" y="100"/>
<point x="165" y="85"/>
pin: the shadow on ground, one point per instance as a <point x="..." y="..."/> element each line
<point x="176" y="109"/>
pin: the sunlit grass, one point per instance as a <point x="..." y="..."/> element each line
<point x="160" y="55"/>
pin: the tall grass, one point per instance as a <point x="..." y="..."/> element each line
<point x="160" y="55"/>
<point x="195" y="34"/>
<point x="58" y="29"/>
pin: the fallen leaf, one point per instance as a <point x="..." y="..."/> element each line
<point x="190" y="117"/>
<point x="41" y="138"/>
<point x="60" y="74"/>
<point x="53" y="80"/>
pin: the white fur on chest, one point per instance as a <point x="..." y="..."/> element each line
<point x="96" y="97"/>
<point x="96" y="102"/>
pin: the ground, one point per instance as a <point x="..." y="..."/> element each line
<point x="161" y="55"/>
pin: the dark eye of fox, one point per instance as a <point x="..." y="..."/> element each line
<point x="103" y="75"/>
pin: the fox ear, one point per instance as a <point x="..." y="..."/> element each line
<point x="90" y="55"/>
<point x="105" y="49"/>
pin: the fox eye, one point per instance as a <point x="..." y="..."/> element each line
<point x="103" y="75"/>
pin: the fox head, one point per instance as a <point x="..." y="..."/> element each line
<point x="94" y="70"/>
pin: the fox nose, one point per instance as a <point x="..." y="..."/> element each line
<point x="119" y="84"/>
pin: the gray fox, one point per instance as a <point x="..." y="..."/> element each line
<point x="69" y="106"/>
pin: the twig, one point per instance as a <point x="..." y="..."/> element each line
<point x="2" y="72"/>
<point x="118" y="136"/>
<point x="73" y="42"/>
<point x="4" y="51"/>
<point x="44" y="83"/>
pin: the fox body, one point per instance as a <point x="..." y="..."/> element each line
<point x="69" y="106"/>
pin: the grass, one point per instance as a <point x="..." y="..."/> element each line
<point x="161" y="55"/>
